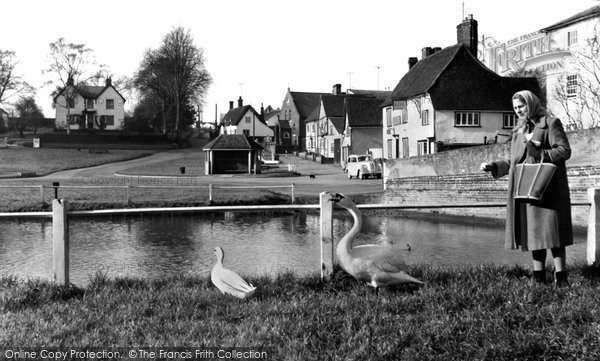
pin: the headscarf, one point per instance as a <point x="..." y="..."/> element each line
<point x="534" y="107"/>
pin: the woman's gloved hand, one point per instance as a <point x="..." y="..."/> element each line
<point x="533" y="149"/>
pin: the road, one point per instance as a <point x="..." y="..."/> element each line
<point x="328" y="177"/>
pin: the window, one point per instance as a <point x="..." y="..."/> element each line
<point x="572" y="85"/>
<point x="247" y="132"/>
<point x="572" y="37"/>
<point x="422" y="147"/>
<point x="397" y="120"/>
<point x="465" y="119"/>
<point x="509" y="120"/>
<point x="110" y="119"/>
<point x="110" y="104"/>
<point x="405" y="147"/>
<point x="89" y="103"/>
<point x="248" y="119"/>
<point x="71" y="103"/>
<point x="425" y="117"/>
<point x="388" y="116"/>
<point x="404" y="116"/>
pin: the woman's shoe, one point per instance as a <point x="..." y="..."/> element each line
<point x="539" y="277"/>
<point x="561" y="279"/>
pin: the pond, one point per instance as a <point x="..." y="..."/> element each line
<point x="152" y="246"/>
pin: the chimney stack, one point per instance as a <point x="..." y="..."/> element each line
<point x="412" y="61"/>
<point x="425" y="52"/>
<point x="240" y="102"/>
<point x="231" y="105"/>
<point x="108" y="81"/>
<point x="466" y="34"/>
<point x="337" y="89"/>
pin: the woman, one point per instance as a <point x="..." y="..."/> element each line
<point x="537" y="226"/>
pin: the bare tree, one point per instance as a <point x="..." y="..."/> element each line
<point x="70" y="65"/>
<point x="175" y="73"/>
<point x="11" y="83"/>
<point x="578" y="93"/>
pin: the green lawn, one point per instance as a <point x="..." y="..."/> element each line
<point x="460" y="313"/>
<point x="47" y="160"/>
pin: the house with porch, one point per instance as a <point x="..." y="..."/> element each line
<point x="447" y="100"/>
<point x="89" y="107"/>
<point x="245" y="120"/>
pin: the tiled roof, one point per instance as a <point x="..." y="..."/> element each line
<point x="338" y="123"/>
<point x="314" y="115"/>
<point x="234" y="115"/>
<point x="90" y="91"/>
<point x="584" y="15"/>
<point x="232" y="142"/>
<point x="306" y="102"/>
<point x="456" y="80"/>
<point x="377" y="93"/>
<point x="364" y="112"/>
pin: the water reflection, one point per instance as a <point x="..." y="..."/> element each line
<point x="254" y="244"/>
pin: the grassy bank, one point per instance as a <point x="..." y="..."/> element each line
<point x="461" y="313"/>
<point x="45" y="161"/>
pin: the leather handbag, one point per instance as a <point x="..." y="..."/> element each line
<point x="532" y="179"/>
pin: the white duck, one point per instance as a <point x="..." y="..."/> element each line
<point x="378" y="265"/>
<point x="228" y="281"/>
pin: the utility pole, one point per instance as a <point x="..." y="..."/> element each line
<point x="350" y="80"/>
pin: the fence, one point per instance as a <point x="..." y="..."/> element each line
<point x="60" y="228"/>
<point x="128" y="189"/>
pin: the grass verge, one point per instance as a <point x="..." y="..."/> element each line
<point x="461" y="313"/>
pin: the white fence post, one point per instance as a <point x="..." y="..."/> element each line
<point x="60" y="242"/>
<point x="326" y="204"/>
<point x="293" y="195"/>
<point x="210" y="193"/>
<point x="593" y="234"/>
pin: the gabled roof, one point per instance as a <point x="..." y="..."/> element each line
<point x="584" y="15"/>
<point x="363" y="112"/>
<point x="234" y="115"/>
<point x="338" y="123"/>
<point x="306" y="102"/>
<point x="232" y="142"/>
<point x="314" y="115"/>
<point x="90" y="91"/>
<point x="456" y="80"/>
<point x="377" y="93"/>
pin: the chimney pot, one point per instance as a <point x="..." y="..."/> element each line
<point x="412" y="61"/>
<point x="231" y="105"/>
<point x="240" y="102"/>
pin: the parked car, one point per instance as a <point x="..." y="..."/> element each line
<point x="362" y="166"/>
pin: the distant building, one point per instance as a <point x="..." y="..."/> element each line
<point x="449" y="99"/>
<point x="246" y="121"/>
<point x="89" y="107"/>
<point x="295" y="109"/>
<point x="564" y="56"/>
<point x="3" y="118"/>
<point x="362" y="126"/>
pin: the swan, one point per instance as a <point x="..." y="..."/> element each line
<point x="228" y="281"/>
<point x="378" y="265"/>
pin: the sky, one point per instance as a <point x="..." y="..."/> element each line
<point x="257" y="49"/>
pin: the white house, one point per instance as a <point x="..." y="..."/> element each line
<point x="564" y="56"/>
<point x="245" y="120"/>
<point x="89" y="107"/>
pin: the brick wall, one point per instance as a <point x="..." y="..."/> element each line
<point x="453" y="177"/>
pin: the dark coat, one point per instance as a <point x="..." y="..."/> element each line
<point x="534" y="225"/>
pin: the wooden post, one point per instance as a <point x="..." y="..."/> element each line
<point x="593" y="234"/>
<point x="210" y="193"/>
<point x="60" y="242"/>
<point x="128" y="194"/>
<point x="293" y="195"/>
<point x="42" y="193"/>
<point x="326" y="235"/>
